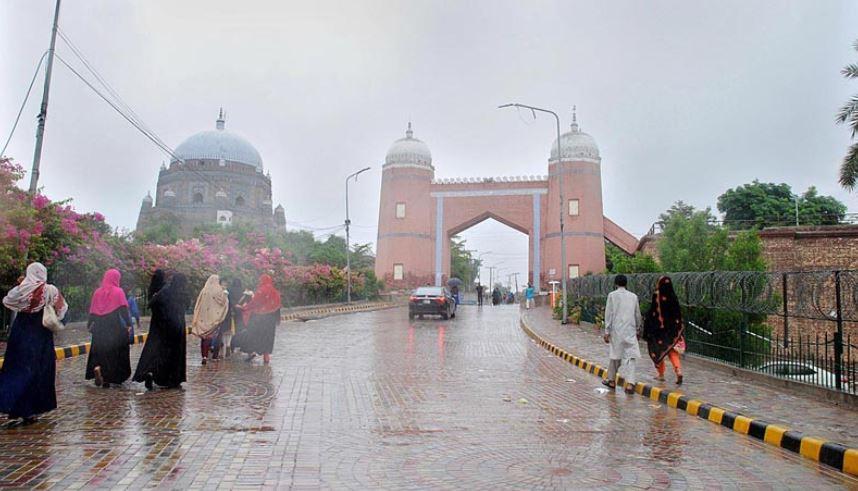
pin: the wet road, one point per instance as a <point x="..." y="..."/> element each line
<point x="372" y="401"/>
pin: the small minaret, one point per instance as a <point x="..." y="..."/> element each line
<point x="221" y="120"/>
<point x="280" y="218"/>
<point x="145" y="211"/>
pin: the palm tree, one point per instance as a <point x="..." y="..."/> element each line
<point x="849" y="114"/>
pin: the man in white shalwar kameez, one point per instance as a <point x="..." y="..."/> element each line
<point x="622" y="326"/>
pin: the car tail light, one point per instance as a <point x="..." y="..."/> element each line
<point x="412" y="299"/>
<point x="441" y="300"/>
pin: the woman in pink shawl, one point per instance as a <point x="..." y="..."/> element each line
<point x="109" y="323"/>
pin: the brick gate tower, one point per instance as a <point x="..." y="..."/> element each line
<point x="419" y="214"/>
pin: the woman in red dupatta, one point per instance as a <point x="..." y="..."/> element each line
<point x="110" y="324"/>
<point x="261" y="315"/>
<point x="664" y="330"/>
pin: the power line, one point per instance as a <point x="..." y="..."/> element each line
<point x="24" y="103"/>
<point x="153" y="138"/>
<point x="107" y="85"/>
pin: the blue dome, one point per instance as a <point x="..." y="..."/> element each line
<point x="219" y="144"/>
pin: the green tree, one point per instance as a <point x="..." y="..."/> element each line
<point x="165" y="231"/>
<point x="618" y="262"/>
<point x="690" y="241"/>
<point x="849" y="114"/>
<point x="462" y="262"/>
<point x="745" y="253"/>
<point x="332" y="252"/>
<point x="761" y="204"/>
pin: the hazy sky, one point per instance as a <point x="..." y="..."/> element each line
<point x="685" y="99"/>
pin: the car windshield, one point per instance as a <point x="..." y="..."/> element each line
<point x="429" y="290"/>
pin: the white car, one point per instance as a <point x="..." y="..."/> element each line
<point x="803" y="372"/>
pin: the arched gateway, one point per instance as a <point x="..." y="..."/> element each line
<point x="419" y="214"/>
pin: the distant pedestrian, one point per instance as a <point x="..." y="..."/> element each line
<point x="454" y="291"/>
<point x="496" y="296"/>
<point x="622" y="325"/>
<point x="209" y="312"/>
<point x="27" y="378"/>
<point x="260" y="314"/>
<point x="529" y="295"/>
<point x="134" y="312"/>
<point x="110" y="324"/>
<point x="479" y="289"/>
<point x="664" y="330"/>
<point x="164" y="358"/>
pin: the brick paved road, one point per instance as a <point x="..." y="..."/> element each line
<point x="799" y="412"/>
<point x="369" y="401"/>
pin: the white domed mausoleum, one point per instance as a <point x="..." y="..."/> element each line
<point x="215" y="177"/>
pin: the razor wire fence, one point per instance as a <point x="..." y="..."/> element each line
<point x="794" y="325"/>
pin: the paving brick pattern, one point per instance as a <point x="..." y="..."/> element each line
<point x="369" y="401"/>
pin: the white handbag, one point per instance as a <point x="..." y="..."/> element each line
<point x="50" y="319"/>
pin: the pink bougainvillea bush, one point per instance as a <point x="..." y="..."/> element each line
<point x="77" y="248"/>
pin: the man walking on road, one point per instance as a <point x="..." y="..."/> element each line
<point x="622" y="329"/>
<point x="479" y="294"/>
<point x="529" y="295"/>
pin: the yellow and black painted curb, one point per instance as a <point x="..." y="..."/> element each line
<point x="82" y="349"/>
<point x="833" y="454"/>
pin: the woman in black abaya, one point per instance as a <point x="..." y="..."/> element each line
<point x="163" y="361"/>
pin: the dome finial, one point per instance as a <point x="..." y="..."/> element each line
<point x="408" y="132"/>
<point x="574" y="119"/>
<point x="221" y="119"/>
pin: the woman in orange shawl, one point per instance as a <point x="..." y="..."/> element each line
<point x="261" y="315"/>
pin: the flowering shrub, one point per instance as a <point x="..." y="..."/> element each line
<point x="77" y="249"/>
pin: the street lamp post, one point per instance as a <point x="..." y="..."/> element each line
<point x="565" y="267"/>
<point x="348" y="238"/>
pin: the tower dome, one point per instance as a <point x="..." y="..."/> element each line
<point x="575" y="144"/>
<point x="219" y="144"/>
<point x="409" y="152"/>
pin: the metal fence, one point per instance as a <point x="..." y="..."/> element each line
<point x="794" y="325"/>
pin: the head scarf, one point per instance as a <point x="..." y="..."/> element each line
<point x="33" y="293"/>
<point x="266" y="299"/>
<point x="109" y="296"/>
<point x="211" y="309"/>
<point x="663" y="326"/>
<point x="159" y="279"/>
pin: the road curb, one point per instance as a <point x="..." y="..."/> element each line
<point x="83" y="348"/>
<point x="832" y="454"/>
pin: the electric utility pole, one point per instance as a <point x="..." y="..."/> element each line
<point x="43" y="112"/>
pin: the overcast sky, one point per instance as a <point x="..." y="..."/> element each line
<point x="685" y="99"/>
